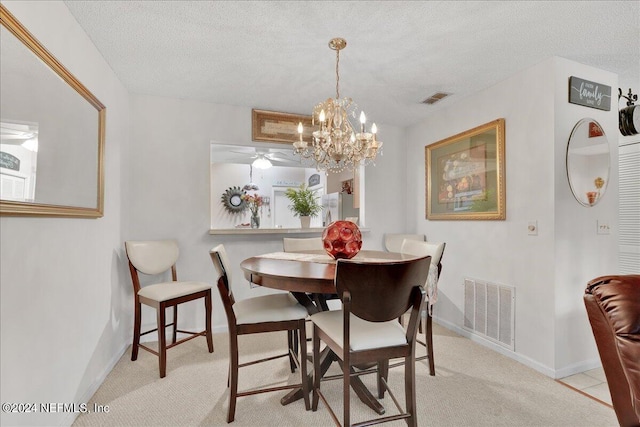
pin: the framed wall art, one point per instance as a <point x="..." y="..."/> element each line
<point x="270" y="126"/>
<point x="465" y="175"/>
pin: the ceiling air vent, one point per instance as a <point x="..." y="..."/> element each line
<point x="435" y="98"/>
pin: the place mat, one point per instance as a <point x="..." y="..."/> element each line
<point x="319" y="258"/>
<point x="293" y="256"/>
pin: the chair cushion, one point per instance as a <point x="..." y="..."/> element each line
<point x="269" y="308"/>
<point x="364" y="335"/>
<point x="169" y="290"/>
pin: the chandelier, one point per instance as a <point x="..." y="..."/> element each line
<point x="335" y="144"/>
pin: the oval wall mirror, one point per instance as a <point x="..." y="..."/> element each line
<point x="588" y="162"/>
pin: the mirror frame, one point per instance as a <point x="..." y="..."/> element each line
<point x="600" y="183"/>
<point x="13" y="208"/>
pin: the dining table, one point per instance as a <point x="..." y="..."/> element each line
<point x="309" y="277"/>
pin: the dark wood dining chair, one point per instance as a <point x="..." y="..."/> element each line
<point x="157" y="258"/>
<point x="267" y="313"/>
<point x="366" y="330"/>
<point x="435" y="251"/>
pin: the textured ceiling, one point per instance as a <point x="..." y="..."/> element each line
<point x="274" y="55"/>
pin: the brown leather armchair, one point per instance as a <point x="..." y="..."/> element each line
<point x="613" y="307"/>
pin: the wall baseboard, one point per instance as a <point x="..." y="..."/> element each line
<point x="91" y="390"/>
<point x="545" y="370"/>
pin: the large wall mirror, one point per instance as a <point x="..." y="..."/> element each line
<point x="267" y="170"/>
<point x="52" y="132"/>
<point x="588" y="162"/>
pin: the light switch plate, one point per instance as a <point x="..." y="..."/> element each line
<point x="532" y="228"/>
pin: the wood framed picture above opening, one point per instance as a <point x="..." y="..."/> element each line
<point x="271" y="126"/>
<point x="465" y="175"/>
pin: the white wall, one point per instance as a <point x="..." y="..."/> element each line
<point x="167" y="192"/>
<point x="581" y="254"/>
<point x="65" y="318"/>
<point x="550" y="270"/>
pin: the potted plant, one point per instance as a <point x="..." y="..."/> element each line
<point x="304" y="203"/>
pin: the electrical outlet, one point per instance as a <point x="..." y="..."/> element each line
<point x="603" y="227"/>
<point x="532" y="228"/>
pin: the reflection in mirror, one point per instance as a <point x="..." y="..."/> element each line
<point x="18" y="161"/>
<point x="267" y="171"/>
<point x="51" y="132"/>
<point x="588" y="160"/>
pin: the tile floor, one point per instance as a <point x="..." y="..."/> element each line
<point x="592" y="383"/>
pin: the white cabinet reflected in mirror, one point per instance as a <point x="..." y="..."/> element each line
<point x="588" y="162"/>
<point x="264" y="170"/>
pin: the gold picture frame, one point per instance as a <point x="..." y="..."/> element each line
<point x="271" y="126"/>
<point x="74" y="116"/>
<point x="465" y="175"/>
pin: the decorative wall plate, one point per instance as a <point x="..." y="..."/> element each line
<point x="232" y="200"/>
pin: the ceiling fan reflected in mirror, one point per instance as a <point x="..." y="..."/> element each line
<point x="264" y="159"/>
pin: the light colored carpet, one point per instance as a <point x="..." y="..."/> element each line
<point x="473" y="386"/>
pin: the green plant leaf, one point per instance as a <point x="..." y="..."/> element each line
<point x="304" y="202"/>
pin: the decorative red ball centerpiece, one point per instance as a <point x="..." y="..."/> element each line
<point x="342" y="239"/>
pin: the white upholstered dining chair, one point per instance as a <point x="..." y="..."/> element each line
<point x="292" y="244"/>
<point x="267" y="313"/>
<point x="365" y="331"/>
<point x="435" y="251"/>
<point x="393" y="242"/>
<point x="156" y="258"/>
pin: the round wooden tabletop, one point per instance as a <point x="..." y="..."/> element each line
<point x="295" y="275"/>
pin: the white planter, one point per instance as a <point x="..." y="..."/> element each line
<point x="305" y="221"/>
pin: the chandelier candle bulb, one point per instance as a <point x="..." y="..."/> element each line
<point x="300" y="129"/>
<point x="336" y="144"/>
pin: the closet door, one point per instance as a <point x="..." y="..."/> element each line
<point x="629" y="209"/>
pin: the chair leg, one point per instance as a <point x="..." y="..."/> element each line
<point x="162" y="341"/>
<point x="410" y="390"/>
<point x="136" y="330"/>
<point x="346" y="387"/>
<point x="383" y="372"/>
<point x="233" y="376"/>
<point x="291" y="346"/>
<point x="175" y="324"/>
<point x="316" y="369"/>
<point x="429" y="340"/>
<point x="303" y="363"/>
<point x="208" y="311"/>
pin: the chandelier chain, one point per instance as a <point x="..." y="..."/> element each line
<point x="337" y="74"/>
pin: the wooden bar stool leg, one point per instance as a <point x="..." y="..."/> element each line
<point x="316" y="370"/>
<point x="175" y="324"/>
<point x="383" y="373"/>
<point x="346" y="388"/>
<point x="410" y="389"/>
<point x="429" y="340"/>
<point x="303" y="362"/>
<point x="208" y="311"/>
<point x="162" y="341"/>
<point x="291" y="347"/>
<point x="136" y="330"/>
<point x="233" y="386"/>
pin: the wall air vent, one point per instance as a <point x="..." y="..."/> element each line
<point x="489" y="311"/>
<point x="435" y="98"/>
